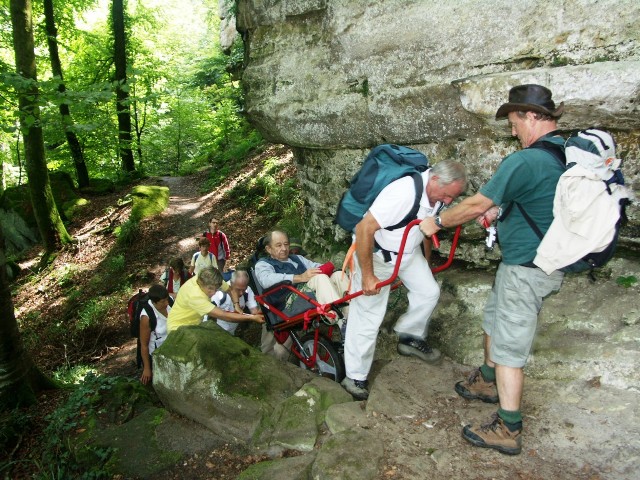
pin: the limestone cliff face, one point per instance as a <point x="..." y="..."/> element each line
<point x="336" y="77"/>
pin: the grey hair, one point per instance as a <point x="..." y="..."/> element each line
<point x="239" y="275"/>
<point x="210" y="277"/>
<point x="449" y="171"/>
<point x="269" y="236"/>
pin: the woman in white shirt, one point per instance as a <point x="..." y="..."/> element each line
<point x="153" y="327"/>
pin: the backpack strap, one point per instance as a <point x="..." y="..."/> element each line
<point x="413" y="213"/>
<point x="153" y="320"/>
<point x="557" y="152"/>
<point x="225" y="295"/>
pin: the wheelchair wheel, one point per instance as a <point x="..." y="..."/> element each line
<point x="329" y="362"/>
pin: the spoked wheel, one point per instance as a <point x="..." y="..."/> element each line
<point x="329" y="362"/>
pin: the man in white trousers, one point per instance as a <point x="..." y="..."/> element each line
<point x="376" y="254"/>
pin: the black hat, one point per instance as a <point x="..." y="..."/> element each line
<point x="296" y="243"/>
<point x="534" y="98"/>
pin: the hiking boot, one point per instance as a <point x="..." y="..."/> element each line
<point x="496" y="435"/>
<point x="357" y="388"/>
<point x="418" y="348"/>
<point x="477" y="388"/>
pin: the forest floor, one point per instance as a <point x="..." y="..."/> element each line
<point x="109" y="349"/>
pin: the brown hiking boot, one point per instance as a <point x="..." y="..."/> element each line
<point x="477" y="388"/>
<point x="496" y="435"/>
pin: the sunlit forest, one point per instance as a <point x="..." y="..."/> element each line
<point x="180" y="90"/>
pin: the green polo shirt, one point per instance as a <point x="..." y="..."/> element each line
<point x="528" y="177"/>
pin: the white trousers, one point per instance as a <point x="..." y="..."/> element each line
<point x="366" y="312"/>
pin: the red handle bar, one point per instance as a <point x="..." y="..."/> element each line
<point x="396" y="268"/>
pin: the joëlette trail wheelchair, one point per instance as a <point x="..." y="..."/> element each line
<point x="311" y="326"/>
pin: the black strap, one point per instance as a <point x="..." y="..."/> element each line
<point x="529" y="220"/>
<point x="386" y="254"/>
<point x="413" y="213"/>
<point x="557" y="152"/>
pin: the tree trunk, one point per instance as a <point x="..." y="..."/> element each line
<point x="50" y="225"/>
<point x="139" y="126"/>
<point x="20" y="380"/>
<point x="67" y="122"/>
<point x="122" y="90"/>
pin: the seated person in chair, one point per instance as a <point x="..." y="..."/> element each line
<point x="306" y="275"/>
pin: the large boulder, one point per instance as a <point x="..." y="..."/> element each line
<point x="218" y="380"/>
<point x="334" y="78"/>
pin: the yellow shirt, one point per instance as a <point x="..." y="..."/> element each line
<point x="191" y="305"/>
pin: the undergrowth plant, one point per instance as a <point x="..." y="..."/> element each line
<point x="277" y="202"/>
<point x="230" y="160"/>
<point x="60" y="455"/>
<point x="94" y="312"/>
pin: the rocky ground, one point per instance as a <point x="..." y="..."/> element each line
<point x="573" y="430"/>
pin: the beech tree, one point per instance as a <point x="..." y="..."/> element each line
<point x="50" y="225"/>
<point x="122" y="89"/>
<point x="67" y="122"/>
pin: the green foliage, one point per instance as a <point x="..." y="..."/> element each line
<point x="559" y="61"/>
<point x="127" y="233"/>
<point x="277" y="201"/>
<point x="186" y="100"/>
<point x="64" y="274"/>
<point x="73" y="375"/>
<point x="115" y="264"/>
<point x="627" y="281"/>
<point x="13" y="423"/>
<point x="94" y="312"/>
<point x="227" y="162"/>
<point x="69" y="449"/>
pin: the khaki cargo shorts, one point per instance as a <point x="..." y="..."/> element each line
<point x="511" y="312"/>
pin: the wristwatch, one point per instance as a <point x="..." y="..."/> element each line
<point x="438" y="221"/>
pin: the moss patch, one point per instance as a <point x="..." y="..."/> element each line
<point x="135" y="449"/>
<point x="148" y="201"/>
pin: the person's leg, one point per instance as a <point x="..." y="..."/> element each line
<point x="324" y="289"/>
<point x="481" y="382"/>
<point x="510" y="382"/>
<point x="519" y="299"/>
<point x="365" y="317"/>
<point x="423" y="294"/>
<point x="340" y="281"/>
<point x="221" y="264"/>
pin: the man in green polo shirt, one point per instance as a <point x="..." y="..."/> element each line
<point x="525" y="180"/>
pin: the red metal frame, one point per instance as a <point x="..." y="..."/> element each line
<point x="312" y="316"/>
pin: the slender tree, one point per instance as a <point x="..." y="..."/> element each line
<point x="50" y="225"/>
<point x="67" y="122"/>
<point x="122" y="88"/>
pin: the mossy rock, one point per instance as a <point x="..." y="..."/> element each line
<point x="133" y="446"/>
<point x="108" y="425"/>
<point x="99" y="186"/>
<point x="148" y="200"/>
<point x="64" y="194"/>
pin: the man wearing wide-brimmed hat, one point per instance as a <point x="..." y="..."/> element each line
<point x="527" y="181"/>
